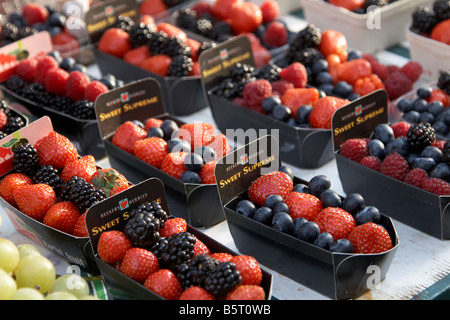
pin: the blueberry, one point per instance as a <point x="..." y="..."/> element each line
<point x="108" y="80"/>
<point x="193" y="162"/>
<point x="442" y="171"/>
<point x="139" y="123"/>
<point x="287" y="170"/>
<point x="272" y="200"/>
<point x="424" y="92"/>
<point x="319" y="66"/>
<point x="190" y="177"/>
<point x="411" y="157"/>
<point x="420" y="105"/>
<point x="282" y="222"/>
<point x="57" y="55"/>
<point x="56" y="19"/>
<point x="54" y="30"/>
<point x="327" y="88"/>
<point x="376" y="148"/>
<point x="427" y="117"/>
<point x="384" y="133"/>
<point x="342" y="89"/>
<point x="411" y="116"/>
<point x="446" y="116"/>
<point x="399" y="145"/>
<point x="263" y="215"/>
<point x="324" y="240"/>
<point x="302" y="114"/>
<point x="324" y="77"/>
<point x="168" y="126"/>
<point x="280" y="207"/>
<point x="342" y="246"/>
<point x="208" y="154"/>
<point x="281" y="112"/>
<point x="300" y="187"/>
<point x="405" y="105"/>
<point x="353" y="203"/>
<point x="435" y="108"/>
<point x="269" y="103"/>
<point x="318" y="184"/>
<point x="298" y="222"/>
<point x="432" y="152"/>
<point x="367" y="214"/>
<point x="120" y="83"/>
<point x="79" y="67"/>
<point x="67" y="63"/>
<point x="176" y="145"/>
<point x="155" y="132"/>
<point x="246" y="208"/>
<point x="330" y="198"/>
<point x="425" y="163"/>
<point x="353" y="96"/>
<point x="308" y="231"/>
<point x="441" y="128"/>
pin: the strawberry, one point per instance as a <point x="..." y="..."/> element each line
<point x="9" y="183"/>
<point x="335" y="221"/>
<point x="415" y="177"/>
<point x="296" y="97"/>
<point x="149" y="21"/>
<point x="441" y="32"/>
<point x="366" y="85"/>
<point x="152" y="122"/>
<point x="194" y="45"/>
<point x="370" y="238"/>
<point x="94" y="89"/>
<point x="296" y="74"/>
<point x="138" y="264"/>
<point x="436" y="186"/>
<point x="3" y="119"/>
<point x="158" y="64"/>
<point x="249" y="269"/>
<point x="275" y="182"/>
<point x="220" y="145"/>
<point x="245" y="17"/>
<point x="56" y="150"/>
<point x="109" y="180"/>
<point x="394" y="165"/>
<point x="83" y="167"/>
<point x="152" y="7"/>
<point x="25" y="69"/>
<point x="34" y="199"/>
<point x="34" y="13"/>
<point x="112" y="246"/>
<point x="439" y="95"/>
<point x="200" y="248"/>
<point x="348" y="4"/>
<point x="62" y="216"/>
<point x="44" y="64"/>
<point x="56" y="80"/>
<point x="172" y="226"/>
<point x="207" y="173"/>
<point x="119" y="189"/>
<point x="270" y="10"/>
<point x="196" y="293"/>
<point x="80" y="229"/>
<point x="323" y="111"/>
<point x="137" y="56"/>
<point x="66" y="43"/>
<point x="221" y="9"/>
<point x="173" y="164"/>
<point x="222" y="256"/>
<point x="333" y="42"/>
<point x="197" y="134"/>
<point x="171" y="30"/>
<point x="354" y="149"/>
<point x="164" y="283"/>
<point x="246" y="292"/>
<point x="115" y="41"/>
<point x="151" y="150"/>
<point x="127" y="134"/>
<point x="303" y="205"/>
<point x="76" y="84"/>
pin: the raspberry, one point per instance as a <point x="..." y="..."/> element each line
<point x="34" y="13"/>
<point x="276" y="34"/>
<point x="281" y="86"/>
<point x="94" y="89"/>
<point x="400" y="128"/>
<point x="397" y="84"/>
<point x="25" y="69"/>
<point x="395" y="166"/>
<point x="295" y="73"/>
<point x="43" y="66"/>
<point x="439" y="144"/>
<point x="323" y="110"/>
<point x="415" y="177"/>
<point x="380" y="70"/>
<point x="55" y="81"/>
<point x="354" y="149"/>
<point x="371" y="162"/>
<point x="436" y="186"/>
<point x="412" y="70"/>
<point x="256" y="91"/>
<point x="76" y="85"/>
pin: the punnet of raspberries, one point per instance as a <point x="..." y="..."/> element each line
<point x="187" y="152"/>
<point x="315" y="213"/>
<point x="157" y="251"/>
<point x="405" y="152"/>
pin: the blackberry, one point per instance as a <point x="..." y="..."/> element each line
<point x="159" y="247"/>
<point x="187" y="19"/>
<point x="123" y="22"/>
<point x="27" y="31"/>
<point x="444" y="81"/>
<point x="226" y="89"/>
<point x="13" y="124"/>
<point x="156" y="42"/>
<point x="241" y="71"/>
<point x="446" y="152"/>
<point x="378" y="3"/>
<point x="220" y="30"/>
<point x="270" y="72"/>
<point x="223" y="279"/>
<point x="4" y="107"/>
<point x="180" y="66"/>
<point x="9" y="32"/>
<point x="63" y="104"/>
<point x="83" y="109"/>
<point x="240" y="85"/>
<point x="309" y="37"/>
<point x="32" y="91"/>
<point x="25" y="159"/>
<point x="441" y="9"/>
<point x="174" y="46"/>
<point x="307" y="57"/>
<point x="48" y="175"/>
<point x="2" y="135"/>
<point x="158" y="211"/>
<point x="205" y="46"/>
<point x="140" y="34"/>
<point x="194" y="272"/>
<point x="180" y="249"/>
<point x="15" y="84"/>
<point x="80" y="192"/>
<point x="45" y="98"/>
<point x="203" y="27"/>
<point x="172" y="3"/>
<point x="143" y="227"/>
<point x="420" y="136"/>
<point x="423" y="20"/>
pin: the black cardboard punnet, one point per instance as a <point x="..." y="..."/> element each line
<point x="113" y="213"/>
<point x="302" y="147"/>
<point x="336" y="275"/>
<point x="413" y="206"/>
<point x="75" y="250"/>
<point x="141" y="100"/>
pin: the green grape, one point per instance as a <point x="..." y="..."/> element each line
<point x="9" y="255"/>
<point x="27" y="294"/>
<point x="72" y="283"/>
<point x="60" y="295"/>
<point x="7" y="286"/>
<point x="27" y="249"/>
<point x="35" y="271"/>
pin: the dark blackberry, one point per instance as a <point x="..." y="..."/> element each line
<point x="307" y="57"/>
<point x="13" y="124"/>
<point x="180" y="66"/>
<point x="444" y="81"/>
<point x="205" y="46"/>
<point x="179" y="249"/>
<point x="140" y="34"/>
<point x="32" y="91"/>
<point x="158" y="211"/>
<point x="441" y="9"/>
<point x="45" y="98"/>
<point x="241" y="71"/>
<point x="26" y="32"/>
<point x="83" y="109"/>
<point x="83" y="194"/>
<point x="172" y="3"/>
<point x="423" y="20"/>
<point x="420" y="136"/>
<point x="15" y="84"/>
<point x="156" y="43"/>
<point x="143" y="227"/>
<point x="9" y="32"/>
<point x="309" y="37"/>
<point x="194" y="272"/>
<point x="186" y="19"/>
<point x="446" y="152"/>
<point x="2" y="135"/>
<point x="378" y="3"/>
<point x="25" y="159"/>
<point x="223" y="279"/>
<point x="159" y="247"/>
<point x="226" y="89"/>
<point x="220" y="30"/>
<point x="48" y="175"/>
<point x="270" y="72"/>
<point x="123" y="22"/>
<point x="240" y="85"/>
<point x="63" y="104"/>
<point x="174" y="46"/>
<point x="203" y="27"/>
<point x="4" y="107"/>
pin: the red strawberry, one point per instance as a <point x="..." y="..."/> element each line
<point x="220" y="145"/>
<point x="56" y="150"/>
<point x="119" y="189"/>
<point x="149" y="21"/>
<point x="221" y="9"/>
<point x="44" y="64"/>
<point x="415" y="177"/>
<point x="436" y="186"/>
<point x="127" y="134"/>
<point x="9" y="183"/>
<point x="151" y="150"/>
<point x="66" y="43"/>
<point x="371" y="162"/>
<point x="171" y="30"/>
<point x="115" y="41"/>
<point x="3" y="119"/>
<point x="270" y="10"/>
<point x="94" y="89"/>
<point x="80" y="229"/>
<point x="172" y="226"/>
<point x="109" y="180"/>
<point x="197" y="134"/>
<point x="152" y="122"/>
<point x="370" y="238"/>
<point x="281" y="86"/>
<point x="249" y="269"/>
<point x="164" y="283"/>
<point x="333" y="42"/>
<point x="137" y="56"/>
<point x="323" y="111"/>
<point x="247" y="292"/>
<point x="76" y="85"/>
<point x="196" y="293"/>
<point x="354" y="149"/>
<point x="207" y="173"/>
<point x="400" y="128"/>
<point x="112" y="246"/>
<point x="294" y="98"/>
<point x="34" y="199"/>
<point x="296" y="74"/>
<point x="202" y="7"/>
<point x="200" y="248"/>
<point x="83" y="167"/>
<point x="138" y="264"/>
<point x="62" y="216"/>
<point x="245" y="17"/>
<point x="55" y="81"/>
<point x="222" y="256"/>
<point x="173" y="164"/>
<point x="348" y="4"/>
<point x="395" y="166"/>
<point x="158" y="63"/>
<point x="194" y="45"/>
<point x="152" y="7"/>
<point x="275" y="182"/>
<point x="34" y="13"/>
<point x="25" y="69"/>
<point x="303" y="205"/>
<point x="335" y="221"/>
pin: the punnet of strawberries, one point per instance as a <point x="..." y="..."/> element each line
<point x="51" y="183"/>
<point x="434" y="22"/>
<point x="314" y="213"/>
<point x="188" y="152"/>
<point x="406" y="152"/>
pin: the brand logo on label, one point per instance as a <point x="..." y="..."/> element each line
<point x="123" y="204"/>
<point x="224" y="54"/>
<point x="358" y="110"/>
<point x="244" y="159"/>
<point x="109" y="10"/>
<point x="124" y="97"/>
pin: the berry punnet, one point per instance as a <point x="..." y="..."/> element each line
<point x="432" y="22"/>
<point x="315" y="213"/>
